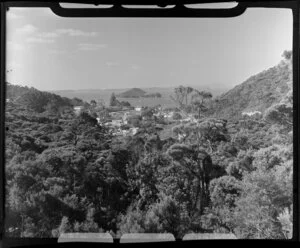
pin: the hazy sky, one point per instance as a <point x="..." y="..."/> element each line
<point x="53" y="53"/>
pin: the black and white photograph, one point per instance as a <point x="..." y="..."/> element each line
<point x="167" y="126"/>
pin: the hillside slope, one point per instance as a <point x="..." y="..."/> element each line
<point x="36" y="100"/>
<point x="132" y="93"/>
<point x="258" y="93"/>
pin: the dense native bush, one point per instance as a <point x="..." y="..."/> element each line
<point x="200" y="173"/>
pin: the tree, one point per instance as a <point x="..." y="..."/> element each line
<point x="134" y="120"/>
<point x="196" y="168"/>
<point x="287" y="54"/>
<point x="77" y="102"/>
<point x="224" y="191"/>
<point x="147" y="113"/>
<point x="64" y="227"/>
<point x="34" y="100"/>
<point x="191" y="100"/>
<point x="89" y="225"/>
<point x="147" y="171"/>
<point x="113" y="100"/>
<point x="165" y="215"/>
<point x="199" y="101"/>
<point x="281" y="114"/>
<point x="203" y="133"/>
<point x="182" y="97"/>
<point x="177" y="116"/>
<point x="125" y="104"/>
<point x="286" y="221"/>
<point x="93" y="103"/>
<point x="132" y="221"/>
<point x="84" y="125"/>
<point x="266" y="192"/>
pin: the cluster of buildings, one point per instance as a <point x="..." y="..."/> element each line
<point x="252" y="114"/>
<point x="120" y="120"/>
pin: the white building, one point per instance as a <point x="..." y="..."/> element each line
<point x="117" y="122"/>
<point x="138" y="109"/>
<point x="252" y="113"/>
<point x="125" y="116"/>
<point x="78" y="109"/>
<point x="134" y="130"/>
<point x="169" y="114"/>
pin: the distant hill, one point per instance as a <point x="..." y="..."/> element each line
<point x="164" y="100"/>
<point x="14" y="91"/>
<point x="36" y="100"/>
<point x="132" y="93"/>
<point x="257" y="93"/>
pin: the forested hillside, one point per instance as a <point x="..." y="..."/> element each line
<point x="68" y="172"/>
<point x="257" y="93"/>
<point x="36" y="100"/>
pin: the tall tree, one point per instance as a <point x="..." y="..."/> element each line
<point x="200" y="100"/>
<point x="113" y="100"/>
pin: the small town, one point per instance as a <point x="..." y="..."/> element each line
<point x="126" y="120"/>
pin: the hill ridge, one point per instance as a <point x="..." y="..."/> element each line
<point x="258" y="93"/>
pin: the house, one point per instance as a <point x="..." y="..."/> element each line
<point x="134" y="130"/>
<point x="78" y="109"/>
<point x="253" y="113"/>
<point x="117" y="123"/>
<point x="129" y="116"/>
<point x="125" y="116"/>
<point x="169" y="114"/>
<point x="125" y="132"/>
<point x="138" y="109"/>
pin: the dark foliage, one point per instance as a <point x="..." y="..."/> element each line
<point x="66" y="172"/>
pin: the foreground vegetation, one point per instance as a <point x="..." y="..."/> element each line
<point x="67" y="173"/>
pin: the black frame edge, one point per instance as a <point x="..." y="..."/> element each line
<point x="296" y="119"/>
<point x="293" y="5"/>
<point x="2" y="117"/>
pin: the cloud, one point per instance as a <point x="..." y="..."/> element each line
<point x="90" y="46"/>
<point x="14" y="46"/>
<point x="17" y="12"/>
<point x="13" y="65"/>
<point x="135" y="67"/>
<point x="48" y="35"/>
<point x="12" y="16"/>
<point x="39" y="40"/>
<point x="27" y="29"/>
<point x="55" y="51"/>
<point x="76" y="32"/>
<point x="111" y="63"/>
<point x="44" y="37"/>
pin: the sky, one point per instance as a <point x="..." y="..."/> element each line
<point x="56" y="53"/>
